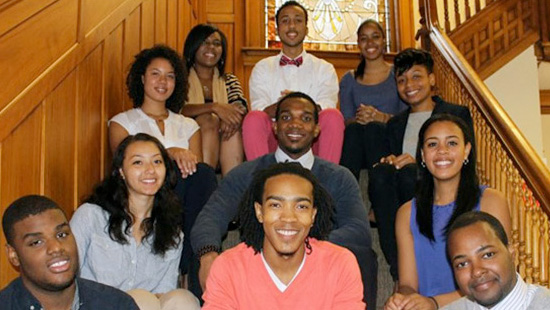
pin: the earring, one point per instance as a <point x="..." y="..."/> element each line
<point x="466" y="161"/>
<point x="423" y="164"/>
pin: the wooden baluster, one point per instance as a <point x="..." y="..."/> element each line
<point x="543" y="244"/>
<point x="536" y="241"/>
<point x="492" y="161"/>
<point x="457" y="15"/>
<point x="528" y="239"/>
<point x="478" y="6"/>
<point x="467" y="9"/>
<point x="447" y="22"/>
<point x="522" y="226"/>
<point x="514" y="210"/>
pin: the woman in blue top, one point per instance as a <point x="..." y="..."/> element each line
<point x="368" y="99"/>
<point x="447" y="187"/>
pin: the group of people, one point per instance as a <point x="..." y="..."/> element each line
<point x="153" y="228"/>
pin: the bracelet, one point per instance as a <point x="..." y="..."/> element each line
<point x="435" y="302"/>
<point x="208" y="249"/>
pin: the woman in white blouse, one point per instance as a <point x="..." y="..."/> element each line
<point x="157" y="85"/>
<point x="128" y="231"/>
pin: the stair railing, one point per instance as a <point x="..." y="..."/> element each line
<point x="506" y="161"/>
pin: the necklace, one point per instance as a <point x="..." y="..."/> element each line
<point x="205" y="88"/>
<point x="157" y="117"/>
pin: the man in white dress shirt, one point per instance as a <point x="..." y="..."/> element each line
<point x="483" y="265"/>
<point x="292" y="70"/>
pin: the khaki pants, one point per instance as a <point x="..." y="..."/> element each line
<point x="178" y="299"/>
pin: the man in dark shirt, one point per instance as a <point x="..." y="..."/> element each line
<point x="40" y="243"/>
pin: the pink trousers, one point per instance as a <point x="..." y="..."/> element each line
<point x="259" y="138"/>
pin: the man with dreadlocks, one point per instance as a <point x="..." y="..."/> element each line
<point x="282" y="263"/>
<point x="296" y="126"/>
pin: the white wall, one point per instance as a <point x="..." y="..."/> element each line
<point x="516" y="87"/>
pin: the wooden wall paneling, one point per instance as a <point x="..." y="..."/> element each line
<point x="200" y="8"/>
<point x="114" y="82"/>
<point x="20" y="166"/>
<point x="239" y="37"/>
<point x="89" y="122"/>
<point x="254" y="15"/>
<point x="95" y="12"/>
<point x="147" y="23"/>
<point x="115" y="73"/>
<point x="160" y="21"/>
<point x="37" y="43"/>
<point x="171" y="24"/>
<point x="14" y="12"/>
<point x="59" y="144"/>
<point x="185" y="19"/>
<point x="26" y="101"/>
<point x="220" y="6"/>
<point x="405" y="24"/>
<point x="132" y="46"/>
<point x="188" y="18"/>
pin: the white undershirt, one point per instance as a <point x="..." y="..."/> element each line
<point x="280" y="285"/>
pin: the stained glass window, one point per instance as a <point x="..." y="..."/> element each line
<point x="332" y="23"/>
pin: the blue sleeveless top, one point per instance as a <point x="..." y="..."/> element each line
<point x="435" y="274"/>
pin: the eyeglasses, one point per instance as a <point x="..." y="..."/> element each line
<point x="215" y="43"/>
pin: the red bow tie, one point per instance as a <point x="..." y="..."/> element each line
<point x="287" y="61"/>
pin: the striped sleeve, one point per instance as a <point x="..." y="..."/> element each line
<point x="235" y="91"/>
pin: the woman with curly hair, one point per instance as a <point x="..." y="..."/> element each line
<point x="128" y="231"/>
<point x="447" y="187"/>
<point x="157" y="85"/>
<point x="283" y="262"/>
<point x="216" y="99"/>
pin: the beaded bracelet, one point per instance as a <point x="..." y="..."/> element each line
<point x="208" y="249"/>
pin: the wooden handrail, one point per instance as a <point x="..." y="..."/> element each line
<point x="506" y="160"/>
<point x="535" y="172"/>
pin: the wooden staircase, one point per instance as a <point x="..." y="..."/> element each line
<point x="490" y="35"/>
<point x="506" y="161"/>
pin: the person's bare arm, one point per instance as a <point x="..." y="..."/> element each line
<point x="495" y="203"/>
<point x="117" y="133"/>
<point x="206" y="262"/>
<point x="187" y="159"/>
<point x="230" y="113"/>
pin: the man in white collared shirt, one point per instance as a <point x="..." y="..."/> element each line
<point x="483" y="265"/>
<point x="292" y="70"/>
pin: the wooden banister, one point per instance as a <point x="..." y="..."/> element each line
<point x="494" y="34"/>
<point x="506" y="161"/>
